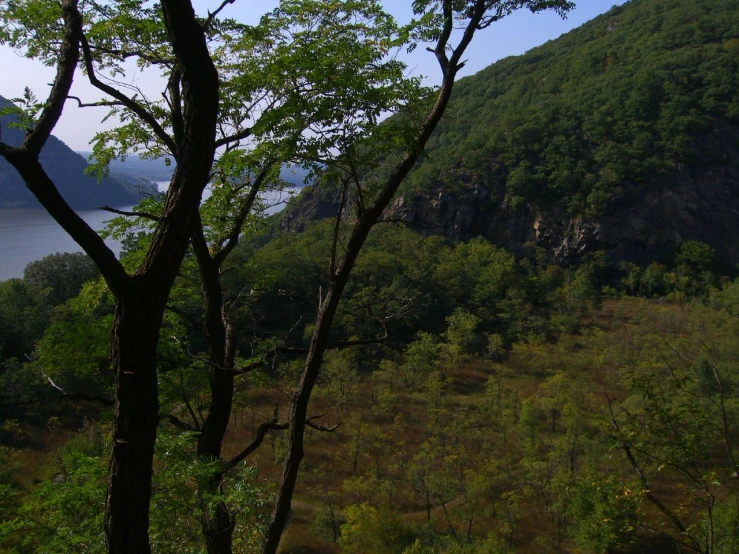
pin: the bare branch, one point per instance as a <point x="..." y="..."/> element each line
<point x="179" y="423"/>
<point x="322" y="428"/>
<point x="256" y="443"/>
<point x="81" y="104"/>
<point x="246" y="133"/>
<point x="274" y="426"/>
<point x="212" y="16"/>
<point x="74" y="395"/>
<point x="145" y="215"/>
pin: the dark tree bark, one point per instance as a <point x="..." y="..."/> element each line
<point x="141" y="298"/>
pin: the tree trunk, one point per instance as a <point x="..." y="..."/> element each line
<point x="135" y="335"/>
<point x="216" y="520"/>
<point x="218" y="526"/>
<point x="329" y="305"/>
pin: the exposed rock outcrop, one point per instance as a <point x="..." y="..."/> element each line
<point x="642" y="223"/>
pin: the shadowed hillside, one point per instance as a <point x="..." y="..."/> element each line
<point x="67" y="170"/>
<point x="622" y="135"/>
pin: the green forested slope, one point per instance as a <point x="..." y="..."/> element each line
<point x="631" y="96"/>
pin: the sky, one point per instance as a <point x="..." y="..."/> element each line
<point x="513" y="35"/>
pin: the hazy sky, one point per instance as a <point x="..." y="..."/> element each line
<point x="511" y="36"/>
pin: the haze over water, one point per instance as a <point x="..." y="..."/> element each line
<point x="29" y="235"/>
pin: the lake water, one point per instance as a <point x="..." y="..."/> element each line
<point x="29" y="235"/>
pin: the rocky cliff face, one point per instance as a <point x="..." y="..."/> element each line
<point x="634" y="116"/>
<point x="643" y="223"/>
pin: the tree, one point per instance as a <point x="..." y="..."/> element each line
<point x="437" y="21"/>
<point x="183" y="126"/>
<point x="191" y="141"/>
<point x="461" y="328"/>
<point x="343" y="37"/>
<point x="373" y="531"/>
<point x="23" y="316"/>
<point x="63" y="273"/>
<point x="420" y="358"/>
<point x="603" y="511"/>
<point x="209" y="103"/>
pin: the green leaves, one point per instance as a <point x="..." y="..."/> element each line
<point x="33" y="27"/>
<point x="26" y="110"/>
<point x="318" y="71"/>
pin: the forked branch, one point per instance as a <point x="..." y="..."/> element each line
<point x="626" y="447"/>
<point x="273" y="426"/>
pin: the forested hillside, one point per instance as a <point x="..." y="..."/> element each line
<point x="67" y="169"/>
<point x="492" y="408"/>
<point x="524" y="343"/>
<point x="622" y="135"/>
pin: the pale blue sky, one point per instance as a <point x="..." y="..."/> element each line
<point x="511" y="36"/>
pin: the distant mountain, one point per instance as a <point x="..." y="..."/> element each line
<point x="621" y="136"/>
<point x="67" y="170"/>
<point x="137" y="167"/>
<point x="157" y="170"/>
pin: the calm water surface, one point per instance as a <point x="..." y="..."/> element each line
<point x="29" y="235"/>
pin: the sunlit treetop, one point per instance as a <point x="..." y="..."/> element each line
<point x="309" y="77"/>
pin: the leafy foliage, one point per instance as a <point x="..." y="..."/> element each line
<point x="626" y="98"/>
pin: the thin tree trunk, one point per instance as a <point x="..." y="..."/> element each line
<point x="340" y="277"/>
<point x="216" y="520"/>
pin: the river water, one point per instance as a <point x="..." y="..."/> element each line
<point x="29" y="235"/>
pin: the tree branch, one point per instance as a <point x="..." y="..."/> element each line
<point x="273" y="426"/>
<point x="81" y="104"/>
<point x="233" y="238"/>
<point x="212" y="16"/>
<point x="179" y="423"/>
<point x="322" y="428"/>
<point x="336" y="344"/>
<point x="145" y="215"/>
<point x="129" y="103"/>
<point x="626" y="447"/>
<point x="74" y="395"/>
<point x="175" y="104"/>
<point x="125" y="54"/>
<point x="25" y="159"/>
<point x="337" y="227"/>
<point x="246" y="133"/>
<point x="256" y="443"/>
<point x="69" y="55"/>
<point x="446" y="32"/>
